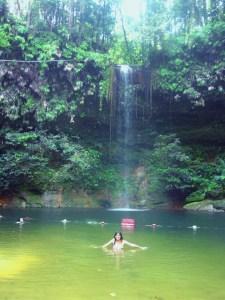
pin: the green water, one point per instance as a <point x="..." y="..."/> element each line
<point x="44" y="259"/>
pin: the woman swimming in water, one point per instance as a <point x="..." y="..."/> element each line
<point x="118" y="243"/>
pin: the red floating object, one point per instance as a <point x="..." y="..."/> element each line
<point x="128" y="223"/>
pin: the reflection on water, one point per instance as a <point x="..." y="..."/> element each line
<point x="48" y="259"/>
<point x="13" y="264"/>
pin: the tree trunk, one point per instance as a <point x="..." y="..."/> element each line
<point x="204" y="12"/>
<point x="213" y="8"/>
<point x="18" y="7"/>
<point x="125" y="37"/>
<point x="71" y="14"/>
<point x="29" y="14"/>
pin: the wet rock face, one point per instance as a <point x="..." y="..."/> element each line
<point x="20" y="82"/>
<point x="5" y="200"/>
<point x="17" y="83"/>
<point x="20" y="76"/>
<point x="3" y="70"/>
<point x="207" y="205"/>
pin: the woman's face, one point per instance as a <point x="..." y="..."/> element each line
<point x="117" y="237"/>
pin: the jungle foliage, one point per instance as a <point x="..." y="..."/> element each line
<point x="54" y="108"/>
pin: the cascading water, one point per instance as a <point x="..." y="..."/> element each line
<point x="125" y="130"/>
<point x="130" y="97"/>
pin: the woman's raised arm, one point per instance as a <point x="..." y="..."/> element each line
<point x="134" y="245"/>
<point x="107" y="244"/>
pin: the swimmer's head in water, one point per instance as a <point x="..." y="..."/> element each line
<point x="118" y="236"/>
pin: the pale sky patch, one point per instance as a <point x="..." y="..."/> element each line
<point x="133" y="8"/>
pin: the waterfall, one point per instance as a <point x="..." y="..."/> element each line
<point x="124" y="130"/>
<point x="130" y="99"/>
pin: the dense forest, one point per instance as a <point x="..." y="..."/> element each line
<point x="56" y="61"/>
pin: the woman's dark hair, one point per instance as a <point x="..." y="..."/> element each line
<point x="121" y="236"/>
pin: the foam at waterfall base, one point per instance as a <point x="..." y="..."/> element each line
<point x="127" y="209"/>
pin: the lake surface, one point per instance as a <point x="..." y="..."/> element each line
<point x="45" y="259"/>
